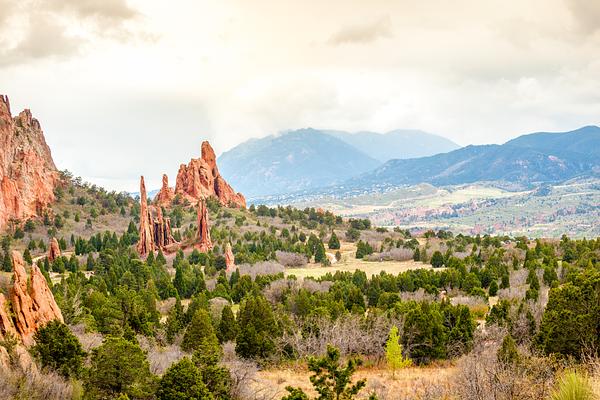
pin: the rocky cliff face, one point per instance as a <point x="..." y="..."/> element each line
<point x="28" y="175"/>
<point x="201" y="179"/>
<point x="31" y="304"/>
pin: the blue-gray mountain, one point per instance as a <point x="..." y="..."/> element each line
<point x="306" y="159"/>
<point x="533" y="158"/>
<point x="293" y="161"/>
<point x="398" y="144"/>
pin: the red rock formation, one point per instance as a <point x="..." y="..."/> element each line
<point x="155" y="230"/>
<point x="203" y="237"/>
<point x="163" y="236"/>
<point x="166" y="195"/>
<point x="28" y="175"/>
<point x="54" y="251"/>
<point x="201" y="179"/>
<point x="146" y="242"/>
<point x="229" y="258"/>
<point x="32" y="304"/>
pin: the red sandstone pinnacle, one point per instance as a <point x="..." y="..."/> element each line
<point x="201" y="179"/>
<point x="166" y="194"/>
<point x="31" y="305"/>
<point x="146" y="241"/>
<point x="155" y="230"/>
<point x="204" y="243"/>
<point x="54" y="251"/>
<point x="28" y="175"/>
<point x="229" y="258"/>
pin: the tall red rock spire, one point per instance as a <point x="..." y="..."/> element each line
<point x="200" y="179"/>
<point x="229" y="258"/>
<point x="28" y="175"/>
<point x="146" y="242"/>
<point x="203" y="237"/>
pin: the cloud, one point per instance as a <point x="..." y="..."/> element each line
<point x="363" y="33"/>
<point x="58" y="29"/>
<point x="43" y="39"/>
<point x="586" y="13"/>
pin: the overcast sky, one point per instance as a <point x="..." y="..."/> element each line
<point x="130" y="87"/>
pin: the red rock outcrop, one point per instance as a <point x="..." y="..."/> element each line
<point x="155" y="230"/>
<point x="201" y="179"/>
<point x="166" y="194"/>
<point x="229" y="258"/>
<point x="203" y="236"/>
<point x="54" y="251"/>
<point x="32" y="304"/>
<point x="146" y="241"/>
<point x="28" y="175"/>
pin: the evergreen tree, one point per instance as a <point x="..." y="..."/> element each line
<point x="57" y="348"/>
<point x="228" y="328"/>
<point x="437" y="259"/>
<point x="199" y="333"/>
<point x="182" y="381"/>
<point x="258" y="328"/>
<point x="334" y="242"/>
<point x="118" y="366"/>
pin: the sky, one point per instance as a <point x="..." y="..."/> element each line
<point x="125" y="88"/>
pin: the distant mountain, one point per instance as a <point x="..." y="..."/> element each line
<point x="292" y="161"/>
<point x="398" y="144"/>
<point x="538" y="157"/>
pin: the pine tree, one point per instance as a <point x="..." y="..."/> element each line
<point x="182" y="381"/>
<point x="334" y="242"/>
<point x="393" y="353"/>
<point x="258" y="329"/>
<point x="200" y="332"/>
<point x="228" y="328"/>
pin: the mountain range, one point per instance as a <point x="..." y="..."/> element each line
<point x="306" y="159"/>
<point x="534" y="158"/>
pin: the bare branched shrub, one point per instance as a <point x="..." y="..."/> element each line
<point x="289" y="259"/>
<point x="361" y="335"/>
<point x="18" y="384"/>
<point x="518" y="278"/>
<point x="276" y="290"/>
<point x="399" y="254"/>
<point x="88" y="340"/>
<point x="482" y="376"/>
<point x="418" y="295"/>
<point x="245" y="382"/>
<point x="261" y="268"/>
<point x="160" y="357"/>
<point x="216" y="307"/>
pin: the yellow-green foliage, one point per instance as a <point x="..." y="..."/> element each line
<point x="573" y="386"/>
<point x="393" y="352"/>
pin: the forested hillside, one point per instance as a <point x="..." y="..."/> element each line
<point x="492" y="315"/>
